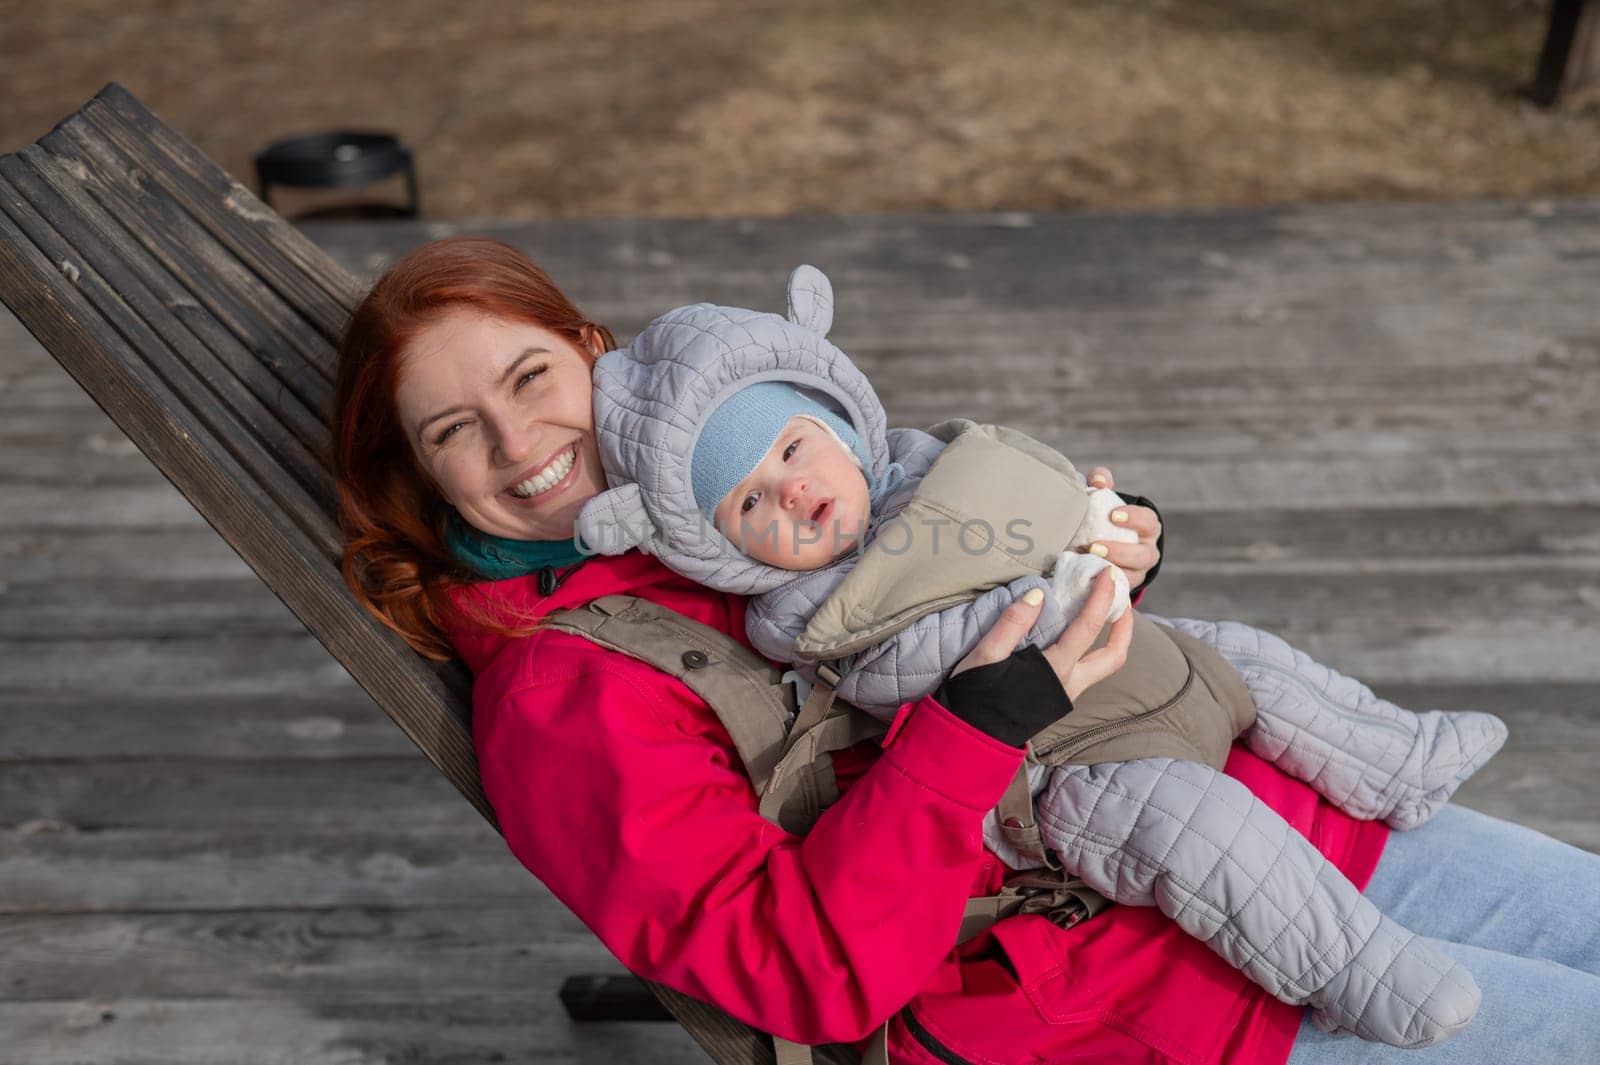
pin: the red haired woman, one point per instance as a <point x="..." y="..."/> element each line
<point x="464" y="449"/>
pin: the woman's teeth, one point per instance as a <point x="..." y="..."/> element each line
<point x="547" y="478"/>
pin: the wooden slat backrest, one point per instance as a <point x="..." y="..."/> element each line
<point x="204" y="325"/>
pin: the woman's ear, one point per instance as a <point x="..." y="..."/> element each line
<point x="592" y="343"/>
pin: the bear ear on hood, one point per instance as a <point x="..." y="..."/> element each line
<point x="616" y="521"/>
<point x="811" y="300"/>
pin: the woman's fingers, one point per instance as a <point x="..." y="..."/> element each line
<point x="1100" y="477"/>
<point x="1099" y="664"/>
<point x="1080" y="634"/>
<point x="1141" y="520"/>
<point x="1131" y="559"/>
<point x="1135" y="560"/>
<point x="1078" y="667"/>
<point x="1006" y="633"/>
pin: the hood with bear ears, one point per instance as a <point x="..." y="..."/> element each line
<point x="652" y="397"/>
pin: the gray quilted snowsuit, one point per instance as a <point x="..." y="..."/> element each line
<point x="1142" y="814"/>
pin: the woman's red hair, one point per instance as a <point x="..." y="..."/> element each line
<point x="395" y="558"/>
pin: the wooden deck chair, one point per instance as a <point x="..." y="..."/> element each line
<point x="204" y="325"/>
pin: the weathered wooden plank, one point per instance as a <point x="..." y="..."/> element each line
<point x="277" y="336"/>
<point x="155" y="392"/>
<point x="264" y="795"/>
<point x="1520" y="786"/>
<point x="83" y="727"/>
<point x="219" y="384"/>
<point x="236" y="665"/>
<point x="1468" y="536"/>
<point x="35" y="508"/>
<point x="74" y="610"/>
<point x="49" y="867"/>
<point x="437" y="1027"/>
<point x="271" y="248"/>
<point x="1544" y="716"/>
<point x="1401" y="625"/>
<point x="1380" y="482"/>
<point x="367" y="950"/>
<point x="174" y="554"/>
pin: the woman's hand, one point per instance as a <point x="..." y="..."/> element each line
<point x="1075" y="665"/>
<point x="1135" y="560"/>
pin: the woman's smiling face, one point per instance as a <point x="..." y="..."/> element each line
<point x="500" y="415"/>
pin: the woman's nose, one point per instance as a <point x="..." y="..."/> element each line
<point x="513" y="443"/>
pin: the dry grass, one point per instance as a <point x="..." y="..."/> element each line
<point x="698" y="108"/>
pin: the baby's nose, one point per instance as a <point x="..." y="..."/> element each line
<point x="793" y="490"/>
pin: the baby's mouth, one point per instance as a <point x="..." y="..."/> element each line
<point x="822" y="511"/>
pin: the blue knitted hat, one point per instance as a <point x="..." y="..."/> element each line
<point x="740" y="432"/>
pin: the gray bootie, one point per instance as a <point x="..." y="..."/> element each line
<point x="1445" y="997"/>
<point x="1371" y="758"/>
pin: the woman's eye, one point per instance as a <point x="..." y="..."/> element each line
<point x="447" y="433"/>
<point x="749" y="502"/>
<point x="529" y="376"/>
<point x="790" y="450"/>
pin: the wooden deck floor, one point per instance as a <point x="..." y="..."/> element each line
<point x="1373" y="431"/>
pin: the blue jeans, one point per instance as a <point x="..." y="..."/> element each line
<point x="1522" y="912"/>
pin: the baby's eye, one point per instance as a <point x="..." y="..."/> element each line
<point x="749" y="502"/>
<point x="790" y="450"/>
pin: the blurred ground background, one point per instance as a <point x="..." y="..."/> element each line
<point x="764" y="107"/>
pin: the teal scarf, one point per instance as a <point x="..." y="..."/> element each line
<point x="495" y="558"/>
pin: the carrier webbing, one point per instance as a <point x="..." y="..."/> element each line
<point x="789" y="756"/>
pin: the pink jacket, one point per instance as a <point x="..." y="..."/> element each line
<point x="619" y="789"/>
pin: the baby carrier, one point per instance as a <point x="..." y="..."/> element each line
<point x="787" y="749"/>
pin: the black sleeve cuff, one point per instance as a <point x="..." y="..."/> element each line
<point x="1011" y="699"/>
<point x="1161" y="541"/>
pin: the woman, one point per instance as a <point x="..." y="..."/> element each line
<point x="465" y="447"/>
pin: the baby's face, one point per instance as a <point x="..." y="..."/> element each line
<point x="803" y="506"/>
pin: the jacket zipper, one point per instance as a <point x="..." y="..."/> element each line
<point x="929" y="1043"/>
<point x="1071" y="745"/>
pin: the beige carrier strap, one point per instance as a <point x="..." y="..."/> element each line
<point x="744" y="690"/>
<point x="1050" y="893"/>
<point x="1017" y="824"/>
<point x="803" y="783"/>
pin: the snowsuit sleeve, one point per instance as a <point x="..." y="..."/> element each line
<point x="619" y="790"/>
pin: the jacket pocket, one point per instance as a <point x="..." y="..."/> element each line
<point x="1040" y="955"/>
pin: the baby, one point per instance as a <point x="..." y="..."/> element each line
<point x="749" y="454"/>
